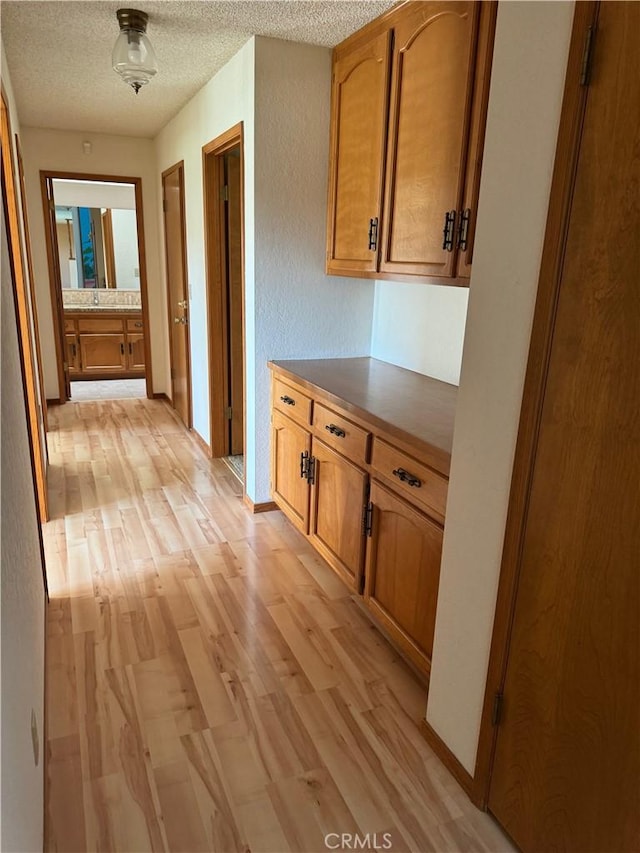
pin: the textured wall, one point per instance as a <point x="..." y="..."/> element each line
<point x="22" y="611"/>
<point x="299" y="311"/>
<point x="420" y="327"/>
<point x="59" y="150"/>
<point x="530" y="60"/>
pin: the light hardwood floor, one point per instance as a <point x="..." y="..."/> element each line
<point x="210" y="683"/>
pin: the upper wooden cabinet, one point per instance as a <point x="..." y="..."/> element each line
<point x="359" y="134"/>
<point x="408" y="115"/>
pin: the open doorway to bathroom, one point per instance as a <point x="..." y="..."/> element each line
<point x="223" y="160"/>
<point x="95" y="247"/>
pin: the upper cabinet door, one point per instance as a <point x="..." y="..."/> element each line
<point x="358" y="146"/>
<point x="431" y="94"/>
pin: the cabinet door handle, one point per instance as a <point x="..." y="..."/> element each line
<point x="335" y="430"/>
<point x="73" y="350"/>
<point x="463" y="229"/>
<point x="373" y="234"/>
<point x="448" y="230"/>
<point x="406" y="477"/>
<point x="138" y="325"/>
<point x="288" y="401"/>
<point x="121" y="349"/>
<point x="130" y="349"/>
<point x="304" y="461"/>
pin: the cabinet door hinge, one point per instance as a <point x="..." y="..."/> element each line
<point x="224" y="193"/>
<point x="311" y="470"/>
<point x="304" y="463"/>
<point x="496" y="714"/>
<point x="448" y="230"/>
<point x="463" y="229"/>
<point x="367" y="519"/>
<point x="228" y="413"/>
<point x="585" y="72"/>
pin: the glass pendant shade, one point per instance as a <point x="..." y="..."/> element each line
<point x="133" y="57"/>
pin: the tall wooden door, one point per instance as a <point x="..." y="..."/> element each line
<point x="234" y="301"/>
<point x="433" y="66"/>
<point x="26" y="318"/>
<point x="359" y="104"/>
<point x="177" y="296"/>
<point x="566" y="774"/>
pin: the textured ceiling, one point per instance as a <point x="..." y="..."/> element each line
<point x="59" y="53"/>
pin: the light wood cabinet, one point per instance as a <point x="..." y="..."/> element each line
<point x="402" y="572"/>
<point x="338" y="496"/>
<point x="427" y="161"/>
<point x="290" y="452"/>
<point x="360" y="86"/>
<point x="104" y="345"/>
<point x="363" y="472"/>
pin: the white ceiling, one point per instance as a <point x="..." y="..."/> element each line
<point x="59" y="53"/>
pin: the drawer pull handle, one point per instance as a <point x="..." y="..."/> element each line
<point x="405" y="477"/>
<point x="289" y="401"/>
<point x="335" y="430"/>
<point x="138" y="325"/>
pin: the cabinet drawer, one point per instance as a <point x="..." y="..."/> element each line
<point x="291" y="402"/>
<point x="347" y="438"/>
<point x="134" y="324"/>
<point x="99" y="324"/>
<point x="417" y="482"/>
<point x="69" y="325"/>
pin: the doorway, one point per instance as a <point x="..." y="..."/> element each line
<point x="97" y="270"/>
<point x="177" y="289"/>
<point x="223" y="169"/>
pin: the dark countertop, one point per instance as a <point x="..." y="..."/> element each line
<point x="405" y="404"/>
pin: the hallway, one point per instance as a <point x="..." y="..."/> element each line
<point x="210" y="683"/>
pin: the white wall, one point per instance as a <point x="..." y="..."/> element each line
<point x="58" y="150"/>
<point x="86" y="194"/>
<point x="125" y="249"/>
<point x="420" y="327"/>
<point x="300" y="312"/>
<point x="280" y="91"/>
<point x="529" y="67"/>
<point x="22" y="612"/>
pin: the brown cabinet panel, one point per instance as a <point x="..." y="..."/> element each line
<point x="338" y="500"/>
<point x="416" y="482"/>
<point x="289" y="489"/>
<point x="433" y="67"/>
<point x="341" y="433"/>
<point x="100" y="324"/>
<point x="402" y="573"/>
<point x="291" y="402"/>
<point x="135" y="352"/>
<point x="102" y="353"/>
<point x="358" y="144"/>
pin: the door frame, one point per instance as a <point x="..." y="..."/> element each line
<point x="183" y="225"/>
<point x="47" y="176"/>
<point x="563" y="181"/>
<point x="216" y="275"/>
<point x="26" y="316"/>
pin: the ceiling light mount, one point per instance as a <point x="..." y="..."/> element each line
<point x="133" y="57"/>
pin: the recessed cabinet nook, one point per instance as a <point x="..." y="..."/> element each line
<point x="409" y="98"/>
<point x="360" y="457"/>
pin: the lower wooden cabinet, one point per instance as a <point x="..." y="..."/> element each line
<point x="290" y="452"/>
<point x="103" y="345"/>
<point x="402" y="572"/>
<point x="338" y="495"/>
<point x="372" y="508"/>
<point x="102" y="353"/>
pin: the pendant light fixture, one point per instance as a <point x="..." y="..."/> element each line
<point x="133" y="57"/>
